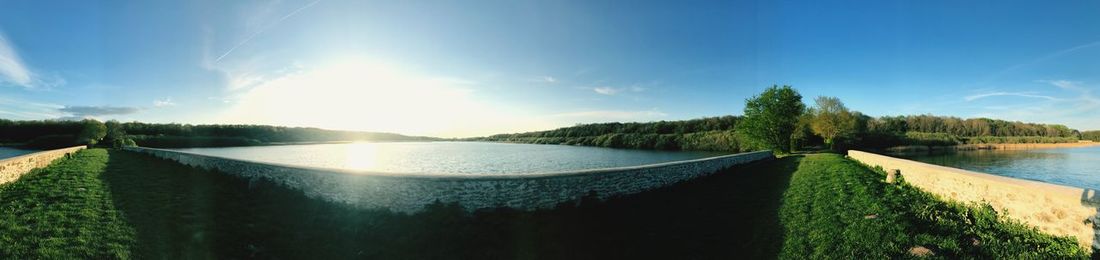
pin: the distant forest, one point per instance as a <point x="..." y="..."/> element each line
<point x="706" y="134"/>
<point x="718" y="134"/>
<point x="56" y="133"/>
<point x="1091" y="135"/>
<point x="703" y="134"/>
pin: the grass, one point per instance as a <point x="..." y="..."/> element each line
<point x="812" y="206"/>
<point x="63" y="212"/>
<point x="837" y="208"/>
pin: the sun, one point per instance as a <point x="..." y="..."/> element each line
<point x="359" y="94"/>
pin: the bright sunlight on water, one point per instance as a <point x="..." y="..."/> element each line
<point x="450" y="157"/>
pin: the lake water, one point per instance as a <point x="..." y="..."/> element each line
<point x="7" y="152"/>
<point x="1078" y="167"/>
<point x="450" y="157"/>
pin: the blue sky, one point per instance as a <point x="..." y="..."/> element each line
<point x="468" y="68"/>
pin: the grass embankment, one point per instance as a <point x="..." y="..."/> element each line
<point x="745" y="212"/>
<point x="63" y="211"/>
<point x="836" y="208"/>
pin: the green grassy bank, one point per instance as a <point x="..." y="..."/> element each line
<point x="836" y="208"/>
<point x="794" y="207"/>
<point x="64" y="211"/>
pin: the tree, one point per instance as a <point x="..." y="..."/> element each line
<point x="832" y="120"/>
<point x="771" y="117"/>
<point x="92" y="132"/>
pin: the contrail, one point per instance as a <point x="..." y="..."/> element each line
<point x="261" y="30"/>
<point x="1039" y="60"/>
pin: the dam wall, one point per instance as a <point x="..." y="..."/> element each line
<point x="13" y="168"/>
<point x="1054" y="209"/>
<point x="411" y="192"/>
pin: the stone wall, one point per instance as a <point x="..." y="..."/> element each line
<point x="13" y="168"/>
<point x="1054" y="209"/>
<point x="411" y="192"/>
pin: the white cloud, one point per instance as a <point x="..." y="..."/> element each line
<point x="245" y="80"/>
<point x="21" y="109"/>
<point x="549" y="79"/>
<point x="12" y="68"/>
<point x="607" y="90"/>
<point x="1074" y="106"/>
<point x="1014" y="94"/>
<point x="610" y="91"/>
<point x="167" y="102"/>
<point x="1064" y="84"/>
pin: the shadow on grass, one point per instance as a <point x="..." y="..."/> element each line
<point x="181" y="212"/>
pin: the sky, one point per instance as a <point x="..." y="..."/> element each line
<point x="474" y="68"/>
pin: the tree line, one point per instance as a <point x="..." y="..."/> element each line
<point x="775" y="119"/>
<point x="778" y="119"/>
<point x="44" y="134"/>
<point x="708" y="134"/>
<point x="1091" y="135"/>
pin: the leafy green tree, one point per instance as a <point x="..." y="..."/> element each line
<point x="115" y="133"/>
<point x="772" y="117"/>
<point x="92" y="132"/>
<point x="803" y="135"/>
<point x="832" y="120"/>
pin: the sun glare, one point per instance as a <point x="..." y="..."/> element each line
<point x="357" y="94"/>
<point x="361" y="156"/>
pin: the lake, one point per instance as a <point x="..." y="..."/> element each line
<point x="7" y="152"/>
<point x="450" y="157"/>
<point x="1078" y="167"/>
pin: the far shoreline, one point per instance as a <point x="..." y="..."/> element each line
<point x="976" y="147"/>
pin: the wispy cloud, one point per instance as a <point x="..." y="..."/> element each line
<point x="607" y="90"/>
<point x="1013" y="94"/>
<point x="1064" y="84"/>
<point x="1044" y="58"/>
<point x="12" y="68"/>
<point x="262" y="29"/>
<point x="86" y="111"/>
<point x="22" y="109"/>
<point x="167" y="102"/>
<point x="549" y="79"/>
<point x="1075" y="106"/>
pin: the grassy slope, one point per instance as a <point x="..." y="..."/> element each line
<point x="826" y="213"/>
<point x="63" y="211"/>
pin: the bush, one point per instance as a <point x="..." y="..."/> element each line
<point x="119" y="143"/>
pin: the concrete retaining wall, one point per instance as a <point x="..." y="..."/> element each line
<point x="1054" y="209"/>
<point x="411" y="192"/>
<point x="13" y="168"/>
